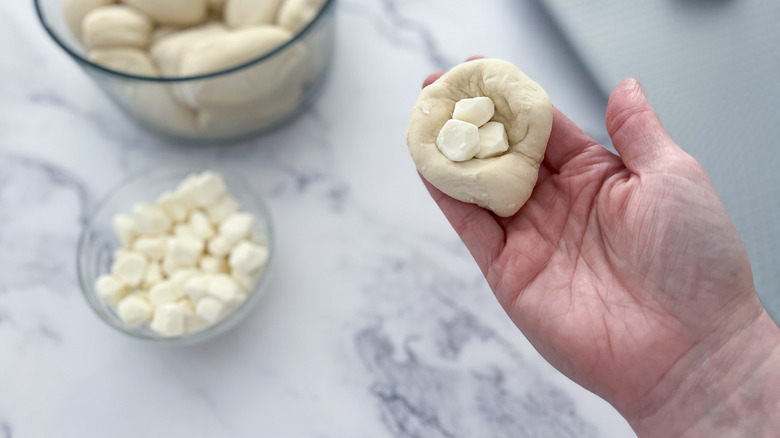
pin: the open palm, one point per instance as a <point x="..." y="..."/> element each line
<point x="618" y="268"/>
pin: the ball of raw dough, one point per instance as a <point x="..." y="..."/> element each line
<point x="503" y="183"/>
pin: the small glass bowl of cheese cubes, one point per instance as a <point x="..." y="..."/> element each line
<point x="175" y="255"/>
<point x="201" y="71"/>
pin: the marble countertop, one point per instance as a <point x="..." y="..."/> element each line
<point x="377" y="322"/>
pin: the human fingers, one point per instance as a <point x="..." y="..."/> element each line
<point x="635" y="129"/>
<point x="567" y="140"/>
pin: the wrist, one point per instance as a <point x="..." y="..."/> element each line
<point x="728" y="387"/>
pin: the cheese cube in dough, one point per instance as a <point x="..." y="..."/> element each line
<point x="210" y="309"/>
<point x="185" y="250"/>
<point x="116" y="26"/>
<point x="168" y="320"/>
<point x="152" y="247"/>
<point x="241" y="13"/>
<point x="126" y="60"/>
<point x="493" y="140"/>
<point x="134" y="310"/>
<point x="165" y="292"/>
<point x="174" y="12"/>
<point x="458" y="140"/>
<point x="237" y="226"/>
<point x="130" y="268"/>
<point x="125" y="229"/>
<point x="475" y="110"/>
<point x="150" y="219"/>
<point x="110" y="289"/>
<point x="248" y="257"/>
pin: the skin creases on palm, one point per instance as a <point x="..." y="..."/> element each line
<point x="618" y="267"/>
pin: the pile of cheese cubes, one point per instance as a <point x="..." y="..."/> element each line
<point x="471" y="133"/>
<point x="186" y="262"/>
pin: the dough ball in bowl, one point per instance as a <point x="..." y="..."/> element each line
<point x="501" y="183"/>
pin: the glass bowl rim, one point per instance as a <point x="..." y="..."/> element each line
<point x="84" y="61"/>
<point x="87" y="284"/>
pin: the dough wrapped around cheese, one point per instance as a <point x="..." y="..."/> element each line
<point x="503" y="183"/>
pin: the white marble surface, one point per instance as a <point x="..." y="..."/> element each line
<point x="377" y="323"/>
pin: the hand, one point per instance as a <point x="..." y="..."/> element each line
<point x="626" y="273"/>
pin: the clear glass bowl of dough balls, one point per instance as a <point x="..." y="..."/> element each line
<point x="201" y="71"/>
<point x="176" y="255"/>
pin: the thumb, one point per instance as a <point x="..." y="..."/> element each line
<point x="635" y="130"/>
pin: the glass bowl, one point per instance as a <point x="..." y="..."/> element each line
<point x="98" y="241"/>
<point x="227" y="105"/>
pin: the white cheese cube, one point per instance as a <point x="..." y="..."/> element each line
<point x="458" y="140"/>
<point x="476" y="110"/>
<point x="210" y="309"/>
<point x="200" y="225"/>
<point x="130" y="268"/>
<point x="115" y="26"/>
<point x="165" y="292"/>
<point x="185" y="250"/>
<point x="492" y="140"/>
<point x="192" y="322"/>
<point x="153" y="275"/>
<point x="208" y="187"/>
<point x="248" y="257"/>
<point x="134" y="310"/>
<point x="174" y="12"/>
<point x="182" y="276"/>
<point x="213" y="265"/>
<point x="236" y="227"/>
<point x="225" y="288"/>
<point x="125" y="229"/>
<point x="197" y="287"/>
<point x="224" y="207"/>
<point x="247" y="281"/>
<point x="184" y="230"/>
<point x="219" y="246"/>
<point x="152" y="247"/>
<point x="150" y="220"/>
<point x="110" y="289"/>
<point x="174" y="206"/>
<point x="168" y="320"/>
<point x="169" y="267"/>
